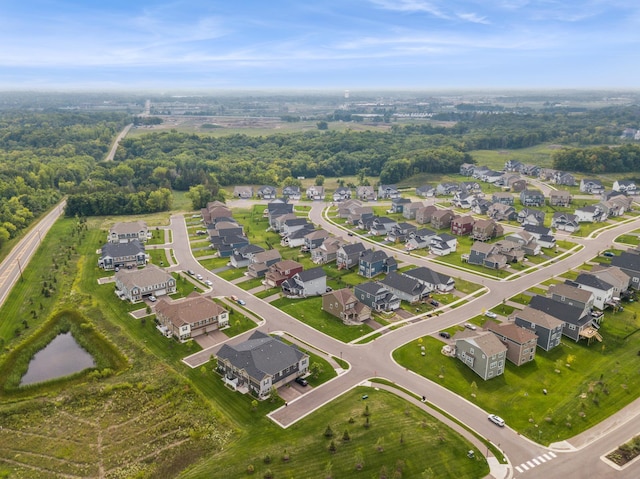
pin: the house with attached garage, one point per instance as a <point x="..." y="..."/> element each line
<point x="291" y="192"/>
<point x="398" y="204"/>
<point x="344" y="305"/>
<point x="382" y="226"/>
<point x="405" y="287"/>
<point x="315" y="193"/>
<point x="433" y="280"/>
<point x="214" y="210"/>
<point x="482" y="351"/>
<point x="577" y="324"/>
<point x="296" y="239"/>
<point x="560" y="198"/>
<point x="563" y="178"/>
<point x="419" y="239"/>
<point x="342" y="193"/>
<point x="447" y="188"/>
<point x="565" y="222"/>
<point x="529" y="216"/>
<point x="366" y="193"/>
<point x="615" y="277"/>
<point x="189" y="317"/>
<point x="241" y="257"/>
<point x="267" y="192"/>
<point x="480" y="206"/>
<point x="276" y="210"/>
<point x="310" y="282"/>
<point x="548" y="328"/>
<point x="348" y="255"/>
<point x="502" y="212"/>
<point x="520" y="342"/>
<point x="542" y="234"/>
<point x="462" y="225"/>
<point x="388" y="192"/>
<point x="503" y="198"/>
<point x="376" y="296"/>
<point x="124" y="232"/>
<point x="485" y="254"/>
<point x="426" y="191"/>
<point x="122" y="255"/>
<point x="627" y="187"/>
<point x="530" y="170"/>
<point x="527" y="242"/>
<point x="486" y="229"/>
<point x="327" y="252"/>
<point x="400" y="232"/>
<point x="513" y="165"/>
<point x="373" y="263"/>
<point x="630" y="264"/>
<point x="409" y="210"/>
<point x="138" y="284"/>
<point x="466" y="169"/>
<point x="260" y="262"/>
<point x="470" y="187"/>
<point x="423" y="215"/>
<point x="260" y="364"/>
<point x="243" y="192"/>
<point x="314" y="239"/>
<point x="443" y="244"/>
<point x="572" y="295"/>
<point x="603" y="292"/>
<point x="441" y="219"/>
<point x="463" y="199"/>
<point x="591" y="214"/>
<point x="281" y="271"/>
<point x="591" y="186"/>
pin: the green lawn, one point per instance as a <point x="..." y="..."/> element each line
<point x="399" y="435"/>
<point x="586" y="384"/>
<point x="630" y="239"/>
<point x="308" y="311"/>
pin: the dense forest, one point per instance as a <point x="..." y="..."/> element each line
<point x="52" y="151"/>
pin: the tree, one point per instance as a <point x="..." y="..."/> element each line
<point x="319" y="180"/>
<point x="322" y="125"/>
<point x="199" y="196"/>
<point x="254" y="405"/>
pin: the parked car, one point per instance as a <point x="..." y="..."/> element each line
<point x="608" y="254"/>
<point x="190" y="271"/>
<point x="491" y="314"/>
<point x="444" y="334"/>
<point x="433" y="302"/>
<point x="301" y="381"/>
<point x="199" y="276"/>
<point x="241" y="302"/>
<point x="497" y="420"/>
<point x="152" y="298"/>
<point x="208" y="282"/>
<point x="470" y="326"/>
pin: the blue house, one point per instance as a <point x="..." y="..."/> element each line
<point x="373" y="263"/>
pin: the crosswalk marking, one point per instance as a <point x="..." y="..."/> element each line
<point x="530" y="464"/>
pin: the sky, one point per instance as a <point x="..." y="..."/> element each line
<point x="319" y="44"/>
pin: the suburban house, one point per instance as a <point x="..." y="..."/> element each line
<point x="485" y="254"/>
<point x="527" y="242"/>
<point x="593" y="187"/>
<point x="124" y="232"/>
<point x="491" y="176"/>
<point x="388" y="192"/>
<point x="529" y="216"/>
<point x="376" y="296"/>
<point x="546" y="327"/>
<point x="466" y="169"/>
<point x="531" y="198"/>
<point x="276" y="210"/>
<point x="291" y="192"/>
<point x="462" y="225"/>
<point x="213" y="210"/>
<point x="470" y="187"/>
<point x="327" y="251"/>
<point x="409" y="210"/>
<point x="400" y="232"/>
<point x="443" y="244"/>
<point x="502" y="212"/>
<point x="503" y="197"/>
<point x="577" y="324"/>
<point x="348" y="255"/>
<point x="267" y="192"/>
<point x="241" y="257"/>
<point x="433" y="280"/>
<point x="482" y="351"/>
<point x="347" y="207"/>
<point x="447" y="188"/>
<point x="405" y="287"/>
<point x="559" y="198"/>
<point x="137" y="284"/>
<point x="565" y="222"/>
<point x="419" y="239"/>
<point x="603" y="292"/>
<point x="530" y="170"/>
<point x="542" y="234"/>
<point x="243" y="192"/>
<point x="226" y="245"/>
<point x="122" y="255"/>
<point x="398" y="204"/>
<point x="513" y="165"/>
<point x="260" y="262"/>
<point x="297" y="238"/>
<point x="261" y="364"/>
<point x="366" y="193"/>
<point x="314" y="239"/>
<point x="572" y="295"/>
<point x="423" y="215"/>
<point x="358" y="214"/>
<point x="615" y="277"/>
<point x="373" y="263"/>
<point x="617" y="205"/>
<point x="310" y="282"/>
<point x="342" y="193"/>
<point x="441" y="219"/>
<point x="630" y="264"/>
<point x="520" y="342"/>
<point x="480" y="171"/>
<point x="463" y="199"/>
<point x="426" y="191"/>
<point x="480" y="206"/>
<point x="511" y="250"/>
<point x="343" y="304"/>
<point x="381" y="226"/>
<point x="484" y="230"/>
<point x="315" y="193"/>
<point x="563" y="178"/>
<point x="627" y="187"/>
<point x="290" y="223"/>
<point x="281" y="271"/>
<point x="591" y="214"/>
<point x="189" y="317"/>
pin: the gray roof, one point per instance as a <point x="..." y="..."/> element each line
<point x="374" y="256"/>
<point x="403" y="283"/>
<point x="353" y="248"/>
<point x="559" y="310"/>
<point x="115" y="250"/>
<point x="538" y="317"/>
<point x="423" y="273"/>
<point x="372" y="288"/>
<point x="311" y="274"/>
<point x="626" y="260"/>
<point x="593" y="282"/>
<point x="261" y="355"/>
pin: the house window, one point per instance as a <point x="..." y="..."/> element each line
<point x="493" y="365"/>
<point x="572" y="327"/>
<point x="471" y="351"/>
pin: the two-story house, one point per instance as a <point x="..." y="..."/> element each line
<point x="520" y="342"/>
<point x="560" y="198"/>
<point x="388" y="192"/>
<point x="348" y="255"/>
<point x="267" y="192"/>
<point x="530" y="197"/>
<point x="462" y="225"/>
<point x="137" y="284"/>
<point x="310" y="282"/>
<point x="122" y="255"/>
<point x="281" y="271"/>
<point x="343" y="304"/>
<point x="373" y="263"/>
<point x="547" y="328"/>
<point x="405" y="287"/>
<point x="486" y="229"/>
<point x="376" y="297"/>
<point x="481" y="351"/>
<point x="124" y="232"/>
<point x="433" y="280"/>
<point x="443" y="244"/>
<point x="190" y="317"/>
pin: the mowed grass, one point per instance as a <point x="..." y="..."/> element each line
<point x="309" y="312"/>
<point x="585" y="383"/>
<point x="399" y="435"/>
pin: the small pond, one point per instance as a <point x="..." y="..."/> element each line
<point x="62" y="356"/>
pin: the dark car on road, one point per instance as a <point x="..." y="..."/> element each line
<point x="301" y="381"/>
<point x="444" y="334"/>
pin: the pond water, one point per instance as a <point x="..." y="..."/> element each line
<point x="61" y="357"/>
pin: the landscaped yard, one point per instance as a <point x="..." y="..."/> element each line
<point x="585" y="383"/>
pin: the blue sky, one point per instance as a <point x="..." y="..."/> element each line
<point x="321" y="44"/>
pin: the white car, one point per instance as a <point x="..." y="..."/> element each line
<point x="152" y="298"/>
<point x="199" y="276"/>
<point x="470" y="326"/>
<point x="491" y="314"/>
<point x="208" y="282"/>
<point x="497" y="420"/>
